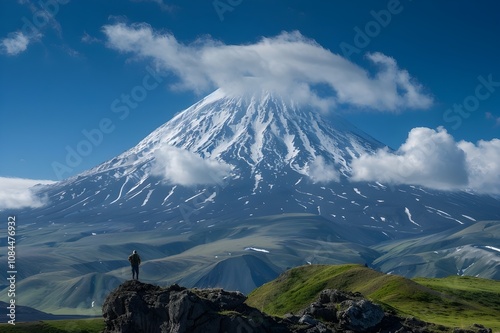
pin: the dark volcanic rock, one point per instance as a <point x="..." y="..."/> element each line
<point x="138" y="307"/>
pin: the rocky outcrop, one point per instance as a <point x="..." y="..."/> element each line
<point x="339" y="311"/>
<point x="136" y="307"/>
<point x="350" y="311"/>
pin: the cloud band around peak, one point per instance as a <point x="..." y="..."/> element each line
<point x="289" y="63"/>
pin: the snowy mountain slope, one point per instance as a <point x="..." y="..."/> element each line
<point x="255" y="130"/>
<point x="227" y="157"/>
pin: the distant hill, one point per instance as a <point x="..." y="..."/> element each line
<point x="454" y="302"/>
<point x="472" y="251"/>
<point x="26" y="313"/>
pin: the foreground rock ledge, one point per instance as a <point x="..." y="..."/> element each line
<point x="136" y="307"/>
<point x="139" y="307"/>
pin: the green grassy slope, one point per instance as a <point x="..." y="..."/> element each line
<point x="457" y="302"/>
<point x="56" y="326"/>
<point x="468" y="298"/>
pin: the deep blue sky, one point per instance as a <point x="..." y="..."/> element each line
<point x="66" y="78"/>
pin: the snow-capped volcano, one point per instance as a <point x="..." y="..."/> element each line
<point x="231" y="192"/>
<point x="230" y="157"/>
<point x="262" y="130"/>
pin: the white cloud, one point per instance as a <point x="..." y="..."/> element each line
<point x="182" y="167"/>
<point x="289" y="64"/>
<point x="18" y="193"/>
<point x="483" y="165"/>
<point x="428" y="157"/>
<point x="432" y="158"/>
<point x="320" y="172"/>
<point x="43" y="18"/>
<point x="15" y="44"/>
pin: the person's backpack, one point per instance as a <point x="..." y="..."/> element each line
<point x="134" y="259"/>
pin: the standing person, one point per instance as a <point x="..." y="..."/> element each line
<point x="135" y="261"/>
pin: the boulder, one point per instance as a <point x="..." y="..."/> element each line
<point x="326" y="312"/>
<point x="359" y="315"/>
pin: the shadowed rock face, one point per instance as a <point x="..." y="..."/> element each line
<point x="136" y="307"/>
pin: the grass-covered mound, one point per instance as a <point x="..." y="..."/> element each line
<point x="455" y="302"/>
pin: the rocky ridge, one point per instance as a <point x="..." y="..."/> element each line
<point x="139" y="307"/>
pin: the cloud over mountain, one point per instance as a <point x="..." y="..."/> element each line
<point x="432" y="158"/>
<point x="483" y="165"/>
<point x="181" y="167"/>
<point x="321" y="172"/>
<point x="289" y="64"/>
<point x="294" y="66"/>
<point x="18" y="193"/>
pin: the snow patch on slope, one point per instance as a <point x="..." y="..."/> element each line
<point x="408" y="213"/>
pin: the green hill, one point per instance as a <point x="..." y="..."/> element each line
<point x="454" y="302"/>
